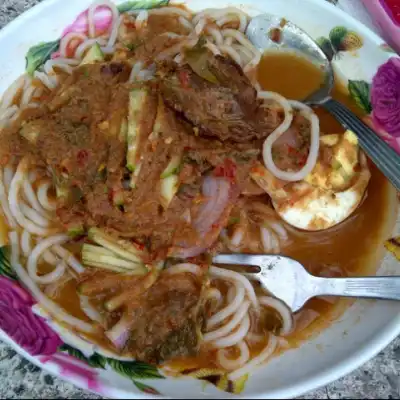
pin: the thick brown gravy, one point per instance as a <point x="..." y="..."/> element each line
<point x="353" y="247"/>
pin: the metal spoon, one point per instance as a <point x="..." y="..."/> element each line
<point x="287" y="280"/>
<point x="293" y="38"/>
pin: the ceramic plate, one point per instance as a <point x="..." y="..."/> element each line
<point x="358" y="335"/>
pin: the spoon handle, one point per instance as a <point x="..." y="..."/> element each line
<point x="384" y="157"/>
<point x="382" y="287"/>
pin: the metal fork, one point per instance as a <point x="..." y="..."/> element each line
<point x="287" y="280"/>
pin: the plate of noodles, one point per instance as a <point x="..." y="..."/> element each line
<point x="115" y="194"/>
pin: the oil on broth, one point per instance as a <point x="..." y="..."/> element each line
<point x="355" y="246"/>
<point x="289" y="74"/>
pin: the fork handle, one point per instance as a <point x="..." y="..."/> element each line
<point x="383" y="156"/>
<point x="382" y="287"/>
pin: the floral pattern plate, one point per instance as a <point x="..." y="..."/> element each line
<point x="372" y="72"/>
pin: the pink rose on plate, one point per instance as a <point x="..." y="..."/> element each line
<point x="18" y="321"/>
<point x="385" y="97"/>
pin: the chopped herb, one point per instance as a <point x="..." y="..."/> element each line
<point x="130" y="46"/>
<point x="233" y="221"/>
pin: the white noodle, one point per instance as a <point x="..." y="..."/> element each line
<point x="236" y="277"/>
<point x="92" y="9"/>
<point x="243" y="22"/>
<point x="254" y="337"/>
<point x="231" y="52"/>
<point x="279" y="230"/>
<point x="85" y="45"/>
<point x="266" y="239"/>
<point x="186" y="23"/>
<point x="215" y="13"/>
<point x="68" y="258"/>
<point x="67" y="39"/>
<point x="283" y="310"/>
<point x="11" y="92"/>
<point x="61" y="63"/>
<point x="237" y="237"/>
<point x="276" y="249"/>
<point x="225" y="19"/>
<point x="231" y="294"/>
<point x="114" y="33"/>
<point x="14" y="201"/>
<point x="27" y="96"/>
<point x="171" y="10"/>
<point x="213" y="48"/>
<point x="185" y="267"/>
<point x="172" y="35"/>
<point x="33" y="215"/>
<point x="15" y="250"/>
<point x="241" y="38"/>
<point x="314" y="142"/>
<point x="54" y="309"/>
<point x="26" y="243"/>
<point x="49" y="81"/>
<point x="15" y="116"/>
<point x="215" y="297"/>
<point x="252" y="63"/>
<point x="90" y="311"/>
<point x="4" y="203"/>
<point x="8" y="114"/>
<point x="200" y="26"/>
<point x="179" y="60"/>
<point x="235" y="337"/>
<point x="216" y="34"/>
<point x="32" y="263"/>
<point x="231" y="364"/>
<point x="135" y="71"/>
<point x="177" y="48"/>
<point x="242" y="50"/>
<point x="230" y="309"/>
<point x="43" y="197"/>
<point x="230" y="326"/>
<point x="262" y="357"/>
<point x="8" y="175"/>
<point x="141" y="20"/>
<point x="33" y="200"/>
<point x="50" y="258"/>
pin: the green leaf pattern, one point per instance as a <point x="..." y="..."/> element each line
<point x="360" y="93"/>
<point x="5" y="266"/>
<point x="95" y="361"/>
<point x="132" y="370"/>
<point x="39" y="54"/>
<point x="146" y="388"/>
<point x="385" y="47"/>
<point x="135" y="369"/>
<point x="141" y="4"/>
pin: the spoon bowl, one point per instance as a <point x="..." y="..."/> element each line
<point x="269" y="32"/>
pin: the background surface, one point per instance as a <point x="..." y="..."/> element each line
<point x="379" y="378"/>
